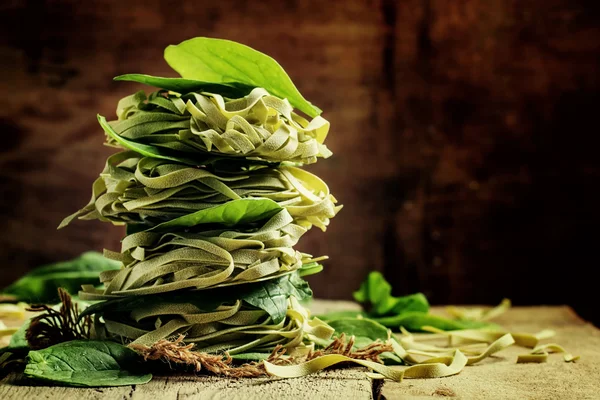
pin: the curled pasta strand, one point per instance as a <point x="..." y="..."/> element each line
<point x="135" y="189"/>
<point x="156" y="263"/>
<point x="235" y="327"/>
<point x="258" y="125"/>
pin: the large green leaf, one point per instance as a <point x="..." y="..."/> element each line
<point x="41" y="284"/>
<point x="224" y="61"/>
<point x="409" y="312"/>
<point x="87" y="364"/>
<point x="233" y="212"/>
<point x="183" y="86"/>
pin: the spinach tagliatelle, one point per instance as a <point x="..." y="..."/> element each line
<point x="259" y="126"/>
<point x="232" y="326"/>
<point x="163" y="262"/>
<point x="134" y="190"/>
<point x="211" y="189"/>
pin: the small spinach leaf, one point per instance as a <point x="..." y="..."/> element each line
<point x="415" y="321"/>
<point x="231" y="213"/>
<point x="87" y="364"/>
<point x="310" y="269"/>
<point x="224" y="61"/>
<point x="183" y="86"/>
<point x="375" y="292"/>
<point x="272" y="295"/>
<point x="144" y="149"/>
<point x="41" y="284"/>
<point x="410" y="312"/>
<point x="251" y="356"/>
<point x="365" y="330"/>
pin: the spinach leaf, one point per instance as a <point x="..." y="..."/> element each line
<point x="414" y="321"/>
<point x="365" y="330"/>
<point x="218" y="163"/>
<point x="17" y="340"/>
<point x="144" y="149"/>
<point x="330" y="316"/>
<point x="231" y="213"/>
<point x="251" y="356"/>
<point x="270" y="296"/>
<point x="376" y="292"/>
<point x="183" y="86"/>
<point x="310" y="269"/>
<point x="87" y="364"/>
<point x="410" y="312"/>
<point x="224" y="61"/>
<point x="41" y="284"/>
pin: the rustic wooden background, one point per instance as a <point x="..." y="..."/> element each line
<point x="465" y="132"/>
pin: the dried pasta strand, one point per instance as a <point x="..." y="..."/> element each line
<point x="426" y="370"/>
<point x="233" y="328"/>
<point x="258" y="125"/>
<point x="459" y="337"/>
<point x="320" y="363"/>
<point x="540" y="354"/>
<point x="479" y="314"/>
<point x="159" y="263"/>
<point x="136" y="189"/>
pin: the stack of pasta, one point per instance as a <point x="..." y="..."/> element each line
<point x="211" y="190"/>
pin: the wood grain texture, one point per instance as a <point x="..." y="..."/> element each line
<point x="328" y="385"/>
<point x="463" y="131"/>
<point x="497" y="377"/>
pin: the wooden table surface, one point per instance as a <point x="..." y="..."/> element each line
<point x="494" y="378"/>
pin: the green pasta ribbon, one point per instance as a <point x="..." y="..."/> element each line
<point x="424" y="360"/>
<point x="143" y="190"/>
<point x="157" y="263"/>
<point x="258" y="126"/>
<point x="234" y="327"/>
<point x="540" y="354"/>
